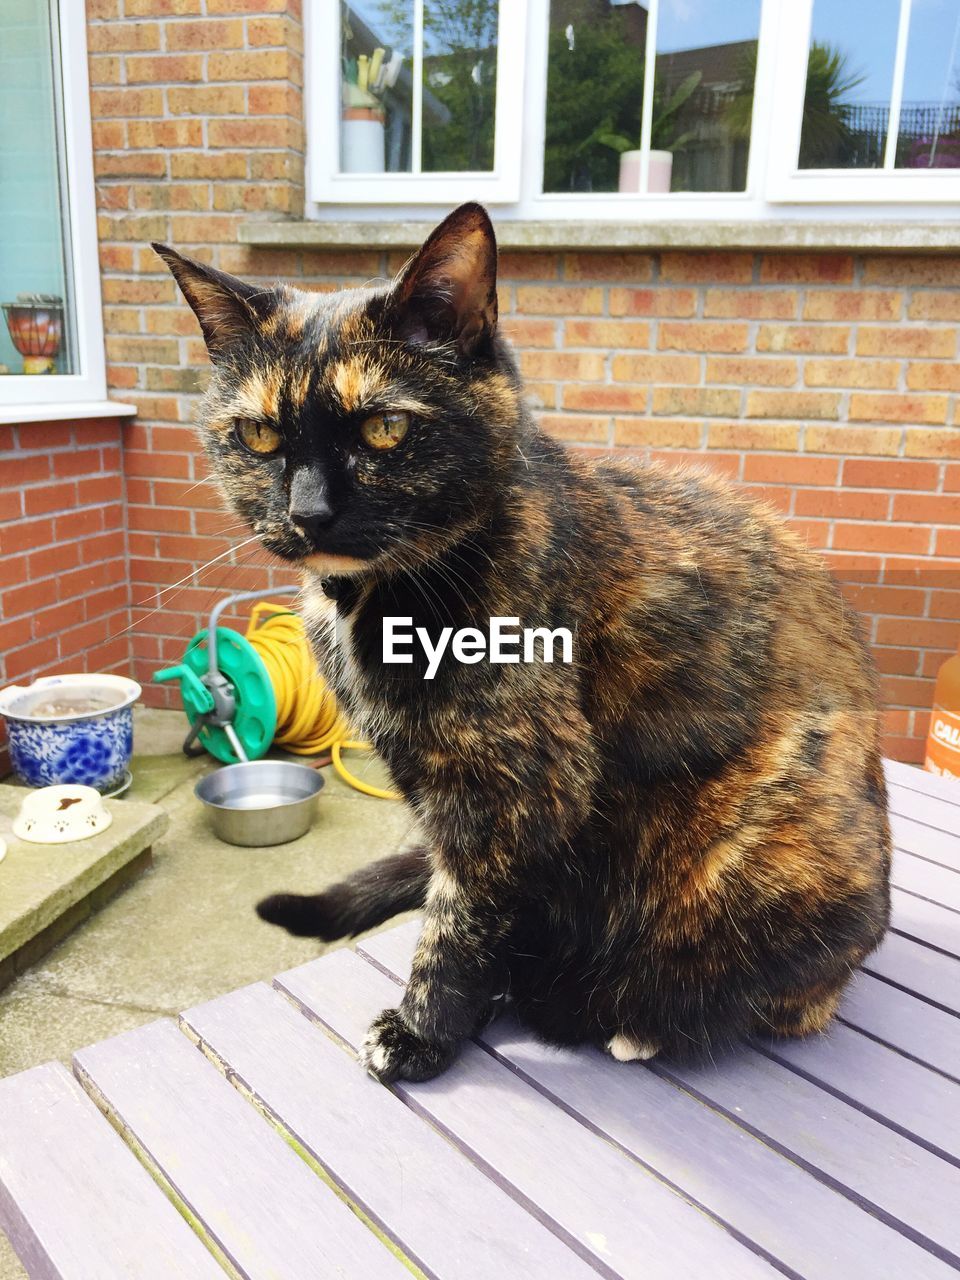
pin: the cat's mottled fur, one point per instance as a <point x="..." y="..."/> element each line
<point x="678" y="839"/>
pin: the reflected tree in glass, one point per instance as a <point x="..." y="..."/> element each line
<point x="459" y="85"/>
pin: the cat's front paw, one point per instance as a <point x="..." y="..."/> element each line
<point x="391" y="1051"/>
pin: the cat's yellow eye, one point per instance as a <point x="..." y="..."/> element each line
<point x="384" y="430"/>
<point x="258" y="437"/>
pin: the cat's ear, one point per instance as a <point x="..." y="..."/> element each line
<point x="228" y="309"/>
<point x="447" y="292"/>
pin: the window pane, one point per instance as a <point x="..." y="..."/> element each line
<point x="38" y="333"/>
<point x="846" y="106"/>
<point x="929" y="136"/>
<point x="459" y="84"/>
<point x="376" y="46"/>
<point x="594" y="89"/>
<point x="703" y="94"/>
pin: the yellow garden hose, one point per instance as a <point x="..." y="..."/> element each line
<point x="309" y="721"/>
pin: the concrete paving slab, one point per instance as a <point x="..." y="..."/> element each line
<point x="40" y="884"/>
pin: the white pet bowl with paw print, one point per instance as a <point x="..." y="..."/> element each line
<point x="57" y="815"/>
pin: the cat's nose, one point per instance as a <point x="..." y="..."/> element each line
<point x="310" y="505"/>
<point x="314" y="518"/>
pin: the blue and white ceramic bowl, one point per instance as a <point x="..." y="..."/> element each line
<point x="88" y="747"/>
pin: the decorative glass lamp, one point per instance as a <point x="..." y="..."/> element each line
<point x="35" y="322"/>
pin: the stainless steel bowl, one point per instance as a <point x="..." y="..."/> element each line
<point x="263" y="802"/>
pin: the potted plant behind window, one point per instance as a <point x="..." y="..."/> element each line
<point x="664" y="140"/>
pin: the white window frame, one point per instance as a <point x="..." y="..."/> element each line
<point x="775" y="188"/>
<point x="82" y="306"/>
<point x="328" y="186"/>
<point x="786" y="182"/>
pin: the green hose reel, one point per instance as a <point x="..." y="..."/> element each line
<point x="226" y="690"/>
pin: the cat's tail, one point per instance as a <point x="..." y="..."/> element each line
<point x="367" y="898"/>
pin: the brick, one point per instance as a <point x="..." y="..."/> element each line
<point x="102" y="10"/>
<point x="874" y="340"/>
<point x="113" y="197"/>
<point x="172" y="195"/>
<point x="132" y="226"/>
<point x="562" y="365"/>
<point x="531" y="333"/>
<point x="920" y="443"/>
<point x="930" y="409"/>
<point x="40" y="500"/>
<point x="840" y="505"/>
<point x="542" y="395"/>
<point x="935" y="305"/>
<point x="185" y="380"/>
<point x="273" y="165"/>
<point x="911" y="539"/>
<point x="820" y="338"/>
<point x="559" y="300"/>
<point x="945" y="604"/>
<point x="653" y="302"/>
<point x="331" y="262"/>
<point x="712" y="402"/>
<point x="927" y="508"/>
<point x="121" y="320"/>
<point x="870" y="441"/>
<point x="262" y="65"/>
<point x="164" y="133"/>
<point x="606" y="399"/>
<point x="219" y="35"/>
<point x="725" y="464"/>
<point x="951" y="478"/>
<point x="178" y="321"/>
<point x="105" y="69"/>
<point x="897" y="662"/>
<point x="806" y="268"/>
<point x="931" y="375"/>
<point x="224" y="100"/>
<point x="948" y="542"/>
<point x="642" y="433"/>
<point x="187" y="228"/>
<point x="166" y="69"/>
<point x="917" y="631"/>
<point x="29" y="598"/>
<point x="912" y="269"/>
<point x="764" y="371"/>
<point x="898" y="474"/>
<point x="752" y="435"/>
<point x="678" y="335"/>
<point x="273" y="32"/>
<point x="261" y="132"/>
<point x="125" y="164"/>
<point x="753" y="304"/>
<point x="852" y="304"/>
<point x="767" y="469"/>
<point x="248" y="6"/>
<point x="707" y="268"/>
<point x="203" y="165"/>
<point x="143" y="350"/>
<point x="109" y="135"/>
<point x="123" y="37"/>
<point x="851" y="373"/>
<point x="614" y="267"/>
<point x="793" y="404"/>
<point x="569" y="426"/>
<point x="815" y="533"/>
<point x="276" y="198"/>
<point x="683" y="369"/>
<point x="162" y="8"/>
<point x="906" y="602"/>
<point x="105" y="103"/>
<point x="606" y="333"/>
<point x="137" y="290"/>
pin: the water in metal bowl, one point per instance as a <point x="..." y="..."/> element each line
<point x="261" y="803"/>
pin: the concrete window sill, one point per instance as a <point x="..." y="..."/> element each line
<point x="796" y="235"/>
<point x="68" y="411"/>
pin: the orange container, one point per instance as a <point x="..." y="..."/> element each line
<point x="943" y="741"/>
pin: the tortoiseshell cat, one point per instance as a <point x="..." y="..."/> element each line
<point x="679" y="838"/>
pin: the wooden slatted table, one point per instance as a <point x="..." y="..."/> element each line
<point x="246" y="1141"/>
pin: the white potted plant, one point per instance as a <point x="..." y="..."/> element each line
<point x="664" y="143"/>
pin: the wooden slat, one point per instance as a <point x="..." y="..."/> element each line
<point x="449" y="1218"/>
<point x="925" y="922"/>
<point x="900" y="1093"/>
<point x="917" y="969"/>
<point x="916" y="779"/>
<point x="932" y="813"/>
<point x="75" y="1201"/>
<point x="910" y="1025"/>
<point x="926" y="879"/>
<point x="925" y="841"/>
<point x="870" y="1162"/>
<point x="611" y="1209"/>
<point x="264" y="1207"/>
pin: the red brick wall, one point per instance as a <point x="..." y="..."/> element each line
<point x="825" y="382"/>
<point x="64" y="595"/>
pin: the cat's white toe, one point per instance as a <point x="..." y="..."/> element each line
<point x="624" y="1049"/>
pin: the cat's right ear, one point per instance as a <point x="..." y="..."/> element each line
<point x="227" y="308"/>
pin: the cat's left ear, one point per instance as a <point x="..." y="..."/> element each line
<point x="229" y="310"/>
<point x="448" y="291"/>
